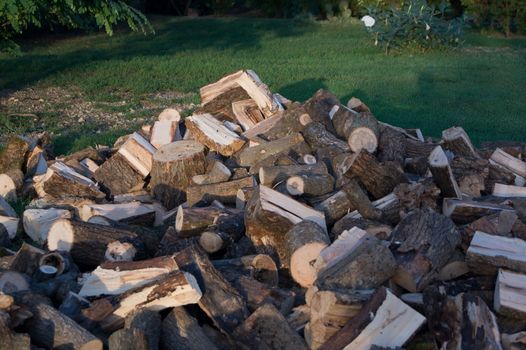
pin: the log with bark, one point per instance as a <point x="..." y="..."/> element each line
<point x="308" y="184"/>
<point x="118" y="177"/>
<point x="62" y="181"/>
<point x="138" y="152"/>
<point x="13" y="155"/>
<point x="457" y="141"/>
<point x="317" y="136"/>
<point x="319" y="106"/>
<point x="509" y="162"/>
<point x="509" y="294"/>
<point x="134" y="213"/>
<point x="11" y="183"/>
<point x="225" y="192"/>
<point x="360" y="130"/>
<point x="180" y="331"/>
<point x="142" y="331"/>
<point x="463" y="211"/>
<point x="249" y="156"/>
<point x="442" y="173"/>
<point x="275" y="174"/>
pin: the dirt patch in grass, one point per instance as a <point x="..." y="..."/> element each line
<point x="75" y="120"/>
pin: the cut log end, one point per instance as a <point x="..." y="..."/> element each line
<point x="61" y="235"/>
<point x="363" y="138"/>
<point x="438" y="158"/>
<point x="302" y="263"/>
<point x="211" y="242"/>
<point x="295" y="185"/>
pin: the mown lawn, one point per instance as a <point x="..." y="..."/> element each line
<point x="481" y="86"/>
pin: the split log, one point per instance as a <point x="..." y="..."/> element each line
<point x="174" y="165"/>
<point x="257" y="294"/>
<point x="50" y="329"/>
<point x="418" y="195"/>
<point x="509" y="191"/>
<point x="457" y="141"/>
<point x="259" y="267"/>
<point x="360" y="201"/>
<point x="13" y="155"/>
<point x="293" y="120"/>
<point x="335" y="206"/>
<point x="384" y="321"/>
<point x="89" y="165"/>
<point x="317" y="137"/>
<point x="26" y="259"/>
<point x="272" y="175"/>
<point x="442" y="173"/>
<point x="243" y="196"/>
<point x="192" y="221"/>
<point x="87" y="242"/>
<point x="218" y="173"/>
<point x="487" y="253"/>
<point x="221" y="105"/>
<point x="391" y="145"/>
<point x="213" y="134"/>
<point x="36" y="162"/>
<point x="461" y="322"/>
<point x="224" y="192"/>
<point x="247" y="113"/>
<point x="269" y="215"/>
<point x="515" y="341"/>
<point x="180" y="331"/>
<point x="118" y="176"/>
<point x="378" y="179"/>
<point x="138" y="152"/>
<point x="163" y="133"/>
<point x="306" y="184"/>
<point x="416" y="148"/>
<point x="262" y="127"/>
<point x="360" y="130"/>
<point x="10" y="339"/>
<point x="251" y="155"/>
<point x="10" y="225"/>
<point x="220" y="301"/>
<point x="11" y="183"/>
<point x="62" y="181"/>
<point x="355" y="260"/>
<point x="455" y="267"/>
<point x="509" y="162"/>
<point x="509" y="294"/>
<point x="134" y="213"/>
<point x="141" y="332"/>
<point x="466" y="211"/>
<point x="267" y="325"/>
<point x="319" y="106"/>
<point x="37" y="222"/>
<point x="304" y="242"/>
<point x="420" y="253"/>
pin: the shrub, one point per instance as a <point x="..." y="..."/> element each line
<point x="507" y="16"/>
<point x="414" y="24"/>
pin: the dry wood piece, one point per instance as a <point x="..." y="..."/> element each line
<point x="89" y="165"/>
<point x="163" y="133"/>
<point x="509" y="162"/>
<point x="50" y="329"/>
<point x="252" y="155"/>
<point x="319" y="106"/>
<point x="220" y="301"/>
<point x="507" y="191"/>
<point x="317" y="137"/>
<point x="247" y="113"/>
<point x="262" y="127"/>
<point x="130" y="213"/>
<point x="330" y="310"/>
<point x="306" y="184"/>
<point x="457" y="141"/>
<point x="170" y="114"/>
<point x="465" y="211"/>
<point x="181" y="331"/>
<point x="268" y="327"/>
<point x="118" y="176"/>
<point x="260" y="267"/>
<point x="10" y="339"/>
<point x="174" y="165"/>
<point x="385" y="321"/>
<point x="218" y="173"/>
<point x="391" y="146"/>
<point x="139" y="153"/>
<point x="274" y="174"/>
<point x="335" y="207"/>
<point x="10" y="225"/>
<point x="222" y="105"/>
<point x="38" y="221"/>
<point x="357" y="105"/>
<point x="26" y="259"/>
<point x="514" y="341"/>
<point x="192" y="221"/>
<point x="213" y="134"/>
<point x="304" y="242"/>
<point x="225" y="192"/>
<point x="360" y="201"/>
<point x="11" y="183"/>
<point x="487" y="252"/>
<point x="360" y="130"/>
<point x="142" y="331"/>
<point x="454" y="268"/>
<point x="257" y="293"/>
<point x="13" y="155"/>
<point x="86" y="242"/>
<point x="356" y="260"/>
<point x="62" y="181"/>
<point x="270" y="214"/>
<point x="461" y="322"/>
<point x="442" y="173"/>
<point x="423" y="242"/>
<point x="509" y="294"/>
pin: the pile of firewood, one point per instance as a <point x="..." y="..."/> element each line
<point x="262" y="223"/>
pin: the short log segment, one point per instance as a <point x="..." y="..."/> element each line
<point x="509" y="294"/>
<point x="220" y="301"/>
<point x="192" y="221"/>
<point x="378" y="179"/>
<point x="138" y="152"/>
<point x="180" y="331"/>
<point x="118" y="176"/>
<point x="87" y="242"/>
<point x="310" y="184"/>
<point x="11" y="183"/>
<point x="224" y="192"/>
<point x="385" y="321"/>
<point x="259" y="267"/>
<point x="360" y="130"/>
<point x="466" y="211"/>
<point x="267" y="326"/>
<point x="14" y="154"/>
<point x="37" y="222"/>
<point x="174" y="165"/>
<point x="421" y="252"/>
<point x="50" y="329"/>
<point x="442" y="173"/>
<point x="509" y="162"/>
<point x="272" y="175"/>
<point x="141" y="332"/>
<point x="304" y="242"/>
<point x="391" y="145"/>
<point x="457" y="141"/>
<point x="317" y="137"/>
<point x="135" y="213"/>
<point x="251" y="155"/>
<point x="319" y="106"/>
<point x="269" y="215"/>
<point x="62" y="181"/>
<point x="509" y="191"/>
<point x="163" y="132"/>
<point x="213" y="134"/>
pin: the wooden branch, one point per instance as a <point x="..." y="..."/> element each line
<point x="224" y="192"/>
<point x="252" y="155"/>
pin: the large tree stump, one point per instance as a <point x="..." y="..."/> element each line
<point x="174" y="165"/>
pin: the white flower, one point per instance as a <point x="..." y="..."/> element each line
<point x="427" y="26"/>
<point x="368" y="21"/>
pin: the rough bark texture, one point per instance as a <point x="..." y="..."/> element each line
<point x="442" y="174"/>
<point x="118" y="176"/>
<point x="318" y="137"/>
<point x="251" y="155"/>
<point x="360" y="130"/>
<point x="391" y="146"/>
<point x="319" y="106"/>
<point x="313" y="185"/>
<point x="180" y="331"/>
<point x="225" y="192"/>
<point x="174" y="165"/>
<point x="272" y="175"/>
<point x="13" y="155"/>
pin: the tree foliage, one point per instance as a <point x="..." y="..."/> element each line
<point x="17" y="16"/>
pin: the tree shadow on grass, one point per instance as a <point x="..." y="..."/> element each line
<point x="303" y="89"/>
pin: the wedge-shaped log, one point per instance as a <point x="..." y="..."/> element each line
<point x="37" y="222"/>
<point x="457" y="141"/>
<point x="384" y="321"/>
<point x="182" y="331"/>
<point x="163" y="133"/>
<point x="509" y="162"/>
<point x="62" y="181"/>
<point x="224" y="192"/>
<point x="174" y="165"/>
<point x="247" y="113"/>
<point x="487" y="253"/>
<point x="509" y="191"/>
<point x="129" y="213"/>
<point x="509" y="294"/>
<point x="465" y="211"/>
<point x="118" y="176"/>
<point x="424" y="241"/>
<point x="360" y="130"/>
<point x="218" y="173"/>
<point x="139" y="153"/>
<point x="267" y="325"/>
<point x="442" y="173"/>
<point x="213" y="134"/>
<point x="269" y="215"/>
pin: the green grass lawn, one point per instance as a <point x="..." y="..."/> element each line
<point x="481" y="86"/>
